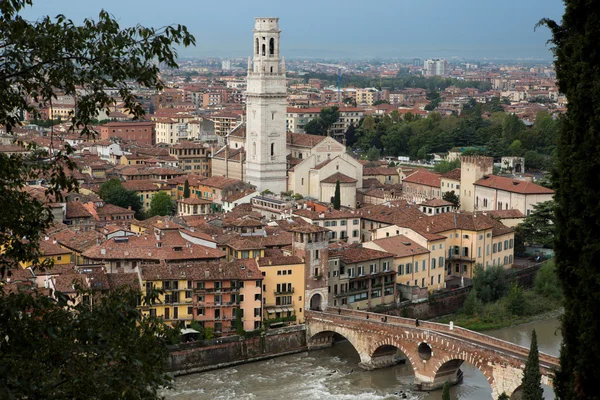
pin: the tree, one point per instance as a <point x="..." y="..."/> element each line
<point x="114" y="193"/>
<point x="503" y="396"/>
<point x="446" y="166"/>
<point x="490" y="283"/>
<point x="57" y="350"/>
<point x="110" y="351"/>
<point x="446" y="391"/>
<point x="161" y="204"/>
<point x="337" y="196"/>
<point x="373" y="154"/>
<point x="452" y="198"/>
<point x="314" y="127"/>
<point x="531" y="384"/>
<point x="186" y="189"/>
<point x="538" y="227"/>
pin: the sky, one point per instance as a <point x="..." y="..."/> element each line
<point x="403" y="29"/>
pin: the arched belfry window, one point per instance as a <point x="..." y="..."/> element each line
<point x="257" y="46"/>
<point x="272" y="46"/>
<point x="264" y="49"/>
<point x="272" y="149"/>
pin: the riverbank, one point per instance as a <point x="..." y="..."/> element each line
<point x="497" y="315"/>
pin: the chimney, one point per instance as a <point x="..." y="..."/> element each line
<point x="103" y="251"/>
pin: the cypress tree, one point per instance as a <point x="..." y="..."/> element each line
<point x="577" y="240"/>
<point x="446" y="391"/>
<point x="337" y="197"/>
<point x="531" y="383"/>
<point x="186" y="190"/>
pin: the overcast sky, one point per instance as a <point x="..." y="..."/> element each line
<point x="335" y="28"/>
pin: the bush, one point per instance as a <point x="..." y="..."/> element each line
<point x="515" y="300"/>
<point x="472" y="305"/>
<point x="546" y="281"/>
<point x="490" y="283"/>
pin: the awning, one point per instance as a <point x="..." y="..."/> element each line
<point x="270" y="310"/>
<point x="289" y="309"/>
<point x="279" y="309"/>
<point x="188" y="330"/>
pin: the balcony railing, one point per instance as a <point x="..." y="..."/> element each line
<point x="460" y="257"/>
<point x="218" y="290"/>
<point x="208" y="304"/>
<point x="282" y="292"/>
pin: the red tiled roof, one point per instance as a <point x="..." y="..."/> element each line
<point x="512" y="185"/>
<point x="426" y="178"/>
<point x="453" y="175"/>
<point x="401" y="246"/>
<point x="338" y="176"/>
<point x="351" y="255"/>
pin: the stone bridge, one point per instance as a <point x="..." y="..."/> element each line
<point x="435" y="351"/>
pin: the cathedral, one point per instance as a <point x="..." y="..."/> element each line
<point x="259" y="150"/>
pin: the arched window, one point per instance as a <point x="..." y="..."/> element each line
<point x="264" y="49"/>
<point x="272" y="149"/>
<point x="257" y="46"/>
<point x="272" y="46"/>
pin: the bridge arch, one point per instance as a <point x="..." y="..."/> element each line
<point x="447" y="369"/>
<point x="324" y="338"/>
<point x="381" y="355"/>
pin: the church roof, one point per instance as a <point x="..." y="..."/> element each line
<point x="304" y="139"/>
<point x="338" y="176"/>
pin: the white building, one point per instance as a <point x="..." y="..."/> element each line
<point x="266" y="110"/>
<point x="436" y="66"/>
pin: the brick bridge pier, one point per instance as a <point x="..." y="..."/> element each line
<point x="434" y="351"/>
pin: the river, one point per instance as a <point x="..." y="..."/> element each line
<point x="333" y="373"/>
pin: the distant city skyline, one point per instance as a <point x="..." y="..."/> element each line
<point x="400" y="29"/>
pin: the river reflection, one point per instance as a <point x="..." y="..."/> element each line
<point x="334" y="374"/>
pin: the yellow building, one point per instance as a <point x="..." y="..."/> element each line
<point x="283" y="289"/>
<point x="244" y="247"/>
<point x="211" y="293"/>
<point x="51" y="250"/>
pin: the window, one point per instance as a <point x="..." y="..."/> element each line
<point x="361" y="270"/>
<point x="487" y="249"/>
<point x="190" y="310"/>
<point x="417" y="266"/>
<point x="351" y="272"/>
<point x="200" y="311"/>
<point x="257" y="283"/>
<point x="511" y="243"/>
<point x="506" y="245"/>
<point x="433" y="263"/>
<point x="355" y="233"/>
<point x="355" y="222"/>
<point x="343" y="223"/>
<point x="441" y="261"/>
<point x="373" y="268"/>
<point x="408" y="268"/>
<point x="401" y="269"/>
<point x="494" y="248"/>
<point x="386" y="266"/>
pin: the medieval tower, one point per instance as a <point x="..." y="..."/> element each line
<point x="266" y="110"/>
<point x="472" y="169"/>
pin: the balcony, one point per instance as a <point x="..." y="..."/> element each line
<point x="218" y="290"/>
<point x="282" y="292"/>
<point x="459" y="257"/>
<point x="207" y="304"/>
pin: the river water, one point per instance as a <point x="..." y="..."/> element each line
<point x="333" y="373"/>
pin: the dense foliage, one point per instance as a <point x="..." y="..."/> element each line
<point x="538" y="227"/>
<point x="516" y="305"/>
<point x="161" y="204"/>
<point x="577" y="242"/>
<point x="337" y="196"/>
<point x="113" y="192"/>
<point x="56" y="350"/>
<point x="490" y="284"/>
<point x="52" y="349"/>
<point x="500" y="134"/>
<point x="322" y="124"/>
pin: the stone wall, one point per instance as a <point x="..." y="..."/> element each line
<point x="190" y="358"/>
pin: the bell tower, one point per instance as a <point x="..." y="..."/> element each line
<point x="266" y="103"/>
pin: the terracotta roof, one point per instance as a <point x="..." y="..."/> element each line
<point x="303" y="139"/>
<point x="244" y="269"/>
<point x="401" y="246"/>
<point x="75" y="209"/>
<point x="338" y="176"/>
<point x="219" y="181"/>
<point x="512" y="185"/>
<point x="141" y="185"/>
<point x="503" y="214"/>
<point x="379" y="171"/>
<point x="436" y="203"/>
<point x="453" y="175"/>
<point x="110" y="209"/>
<point x="194" y="201"/>
<point x="244" y="243"/>
<point x="351" y="255"/>
<point x="424" y="178"/>
<point x="121" y="279"/>
<point x="49" y="248"/>
<point x="279" y="260"/>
